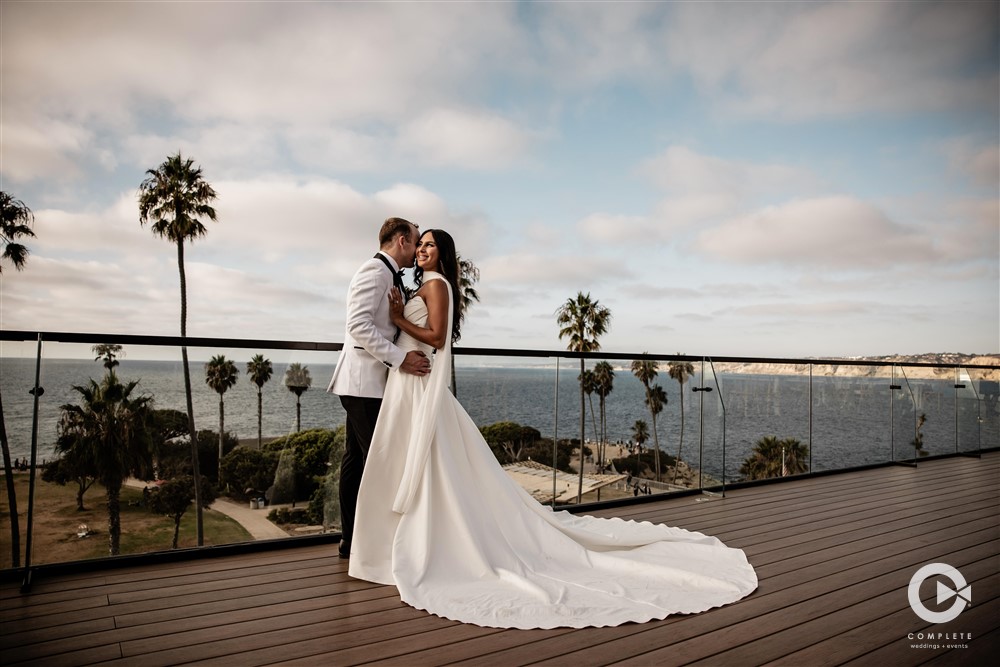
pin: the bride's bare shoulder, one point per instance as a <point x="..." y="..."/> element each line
<point x="434" y="289"/>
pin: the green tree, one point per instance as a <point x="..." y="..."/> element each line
<point x="169" y="424"/>
<point x="249" y="472"/>
<point x="174" y="497"/>
<point x="604" y="381"/>
<point x="220" y="375"/>
<point x="640" y="434"/>
<point x="15" y="222"/>
<point x="174" y="198"/>
<point x="770" y="454"/>
<point x="109" y="353"/>
<point x="71" y="466"/>
<point x="646" y="371"/>
<point x="311" y="453"/>
<point x="298" y="381"/>
<point x="509" y="440"/>
<point x="583" y="321"/>
<point x="111" y="428"/>
<point x="589" y="385"/>
<point x="259" y="370"/>
<point x="682" y="372"/>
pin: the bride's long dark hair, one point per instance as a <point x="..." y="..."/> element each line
<point x="448" y="259"/>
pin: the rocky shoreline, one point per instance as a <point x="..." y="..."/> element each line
<point x="946" y="370"/>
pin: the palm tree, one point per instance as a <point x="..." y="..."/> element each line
<point x="109" y="353"/>
<point x="298" y="381"/>
<point x="15" y="222"/>
<point x="640" y="433"/>
<point x="583" y="321"/>
<point x="220" y="375"/>
<point x="680" y="371"/>
<point x="468" y="276"/>
<point x="174" y="198"/>
<point x="111" y="428"/>
<point x="604" y="379"/>
<point x="646" y="370"/>
<point x="589" y="385"/>
<point x="769" y="455"/>
<point x="259" y="371"/>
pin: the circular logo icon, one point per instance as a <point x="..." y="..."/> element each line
<point x="961" y="591"/>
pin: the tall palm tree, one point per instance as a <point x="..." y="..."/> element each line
<point x="640" y="434"/>
<point x="15" y="222"/>
<point x="647" y="370"/>
<point x="589" y="385"/>
<point x="604" y="379"/>
<point x="583" y="321"/>
<point x="468" y="276"/>
<point x="174" y="198"/>
<point x="220" y="375"/>
<point x="682" y="372"/>
<point x="109" y="353"/>
<point x="112" y="428"/>
<point x="259" y="371"/>
<point x="298" y="381"/>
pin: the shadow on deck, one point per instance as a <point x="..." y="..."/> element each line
<point x="834" y="556"/>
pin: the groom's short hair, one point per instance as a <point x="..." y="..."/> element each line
<point x="393" y="227"/>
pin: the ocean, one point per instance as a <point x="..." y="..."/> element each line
<point x="854" y="421"/>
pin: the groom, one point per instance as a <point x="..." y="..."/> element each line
<point x="368" y="356"/>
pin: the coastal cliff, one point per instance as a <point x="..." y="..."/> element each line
<point x="948" y="361"/>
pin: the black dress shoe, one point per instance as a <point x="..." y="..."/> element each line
<point x="344" y="550"/>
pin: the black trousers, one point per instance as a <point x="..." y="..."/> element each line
<point x="362" y="413"/>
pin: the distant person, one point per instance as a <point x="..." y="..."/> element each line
<point x="460" y="539"/>
<point x="369" y="355"/>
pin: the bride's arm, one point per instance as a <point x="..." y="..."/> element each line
<point x="435" y="295"/>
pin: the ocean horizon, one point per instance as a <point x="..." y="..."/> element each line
<point x="854" y="421"/>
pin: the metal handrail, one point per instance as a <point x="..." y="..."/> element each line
<point x="190" y="341"/>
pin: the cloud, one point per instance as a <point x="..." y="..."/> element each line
<point x="979" y="161"/>
<point x="702" y="190"/>
<point x="809" y="60"/>
<point x="457" y="138"/>
<point x="42" y="149"/>
<point x="681" y="170"/>
<point x="830" y="232"/>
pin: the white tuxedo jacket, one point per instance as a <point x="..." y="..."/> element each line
<point x="369" y="354"/>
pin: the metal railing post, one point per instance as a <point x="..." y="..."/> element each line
<point x="37" y="392"/>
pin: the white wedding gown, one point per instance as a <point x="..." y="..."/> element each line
<point x="445" y="524"/>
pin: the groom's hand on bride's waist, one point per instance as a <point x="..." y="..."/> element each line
<point x="416" y="363"/>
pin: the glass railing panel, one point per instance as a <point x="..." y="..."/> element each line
<point x="767" y="410"/>
<point x="713" y="423"/>
<point x="62" y="532"/>
<point x="977" y="419"/>
<point x="717" y="467"/>
<point x="850" y="425"/>
<point x="903" y="418"/>
<point x="934" y="398"/>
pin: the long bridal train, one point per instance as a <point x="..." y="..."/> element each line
<point x="458" y="538"/>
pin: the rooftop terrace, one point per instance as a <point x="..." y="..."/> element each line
<point x="834" y="555"/>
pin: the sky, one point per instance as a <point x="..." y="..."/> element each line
<point x="771" y="179"/>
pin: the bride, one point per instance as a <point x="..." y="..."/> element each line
<point x="439" y="518"/>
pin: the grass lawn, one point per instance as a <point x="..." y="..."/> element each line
<point x="56" y="520"/>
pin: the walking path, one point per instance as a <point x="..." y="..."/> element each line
<point x="254" y="521"/>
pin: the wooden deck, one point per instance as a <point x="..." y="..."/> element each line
<point x="834" y="556"/>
